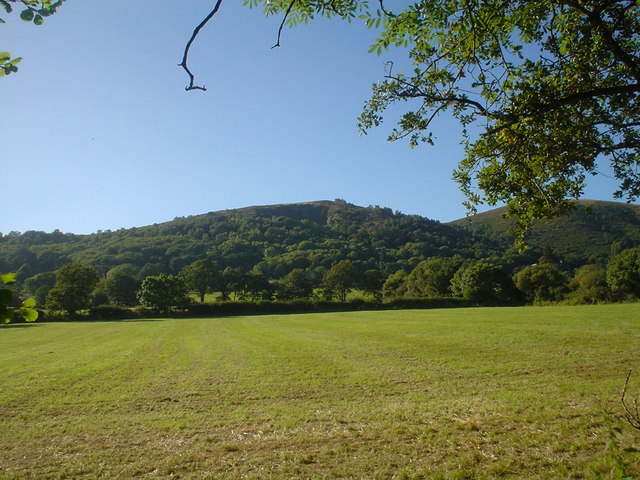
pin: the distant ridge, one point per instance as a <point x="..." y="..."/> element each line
<point x="594" y="229"/>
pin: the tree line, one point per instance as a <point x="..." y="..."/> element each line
<point x="318" y="251"/>
<point x="75" y="287"/>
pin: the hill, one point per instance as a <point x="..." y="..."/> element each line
<point x="272" y="239"/>
<point x="276" y="239"/>
<point x="592" y="232"/>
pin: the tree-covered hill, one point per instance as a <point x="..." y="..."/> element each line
<point x="273" y="240"/>
<point x="276" y="239"/>
<point x="592" y="232"/>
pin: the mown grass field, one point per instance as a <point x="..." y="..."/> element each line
<point x="429" y="394"/>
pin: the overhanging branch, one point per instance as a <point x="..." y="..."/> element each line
<point x="384" y="10"/>
<point x="289" y="8"/>
<point x="434" y="98"/>
<point x="185" y="57"/>
<point x="572" y="99"/>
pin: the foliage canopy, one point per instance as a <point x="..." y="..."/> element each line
<point x="542" y="282"/>
<point x="73" y="288"/>
<point x="201" y="277"/>
<point x="623" y="274"/>
<point x="163" y="292"/>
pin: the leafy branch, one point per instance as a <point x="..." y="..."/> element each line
<point x="7" y="312"/>
<point x="35" y="11"/>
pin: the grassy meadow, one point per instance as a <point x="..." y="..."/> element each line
<point x="420" y="394"/>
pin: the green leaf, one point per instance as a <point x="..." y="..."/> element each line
<point x="29" y="314"/>
<point x="4" y="56"/>
<point x="16" y="61"/>
<point x="8" y="278"/>
<point x="6" y="296"/>
<point x="29" y="303"/>
<point x="27" y="15"/>
<point x="38" y="20"/>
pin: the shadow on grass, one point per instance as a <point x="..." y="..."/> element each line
<point x="106" y="320"/>
<point x="20" y="325"/>
<point x="81" y="320"/>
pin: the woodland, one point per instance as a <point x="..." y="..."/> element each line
<point x="331" y="251"/>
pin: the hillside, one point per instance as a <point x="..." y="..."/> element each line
<point x="272" y="239"/>
<point x="593" y="231"/>
<point x="275" y="239"/>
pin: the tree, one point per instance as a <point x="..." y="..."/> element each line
<point x="232" y="282"/>
<point x="543" y="90"/>
<point x="432" y="277"/>
<point x="163" y="292"/>
<point x="39" y="285"/>
<point x="542" y="282"/>
<point x="202" y="277"/>
<point x="483" y="283"/>
<point x="33" y="11"/>
<point x="255" y="286"/>
<point x="371" y="282"/>
<point x="589" y="284"/>
<point x="340" y="279"/>
<point x="73" y="288"/>
<point x="118" y="288"/>
<point x="125" y="269"/>
<point x="623" y="274"/>
<point x="395" y="285"/>
<point x="296" y="284"/>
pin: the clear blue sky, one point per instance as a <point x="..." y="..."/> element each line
<point x="99" y="133"/>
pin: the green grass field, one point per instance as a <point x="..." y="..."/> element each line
<point x="422" y="394"/>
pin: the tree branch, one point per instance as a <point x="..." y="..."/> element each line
<point x="568" y="100"/>
<point x="286" y="14"/>
<point x="594" y="17"/>
<point x="384" y="10"/>
<point x="596" y="92"/>
<point x="185" y="57"/>
<point x="420" y="94"/>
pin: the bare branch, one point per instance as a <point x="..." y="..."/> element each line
<point x="384" y="10"/>
<point x="185" y="57"/>
<point x="286" y="14"/>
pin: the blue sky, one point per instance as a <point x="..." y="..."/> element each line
<point x="99" y="133"/>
